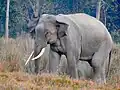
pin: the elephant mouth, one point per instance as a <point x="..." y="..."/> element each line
<point x="50" y="41"/>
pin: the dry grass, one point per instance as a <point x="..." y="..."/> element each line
<point x="14" y="53"/>
<point x="23" y="81"/>
<point x="13" y="76"/>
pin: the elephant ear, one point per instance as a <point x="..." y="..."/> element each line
<point x="61" y="26"/>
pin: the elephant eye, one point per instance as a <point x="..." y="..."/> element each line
<point x="47" y="33"/>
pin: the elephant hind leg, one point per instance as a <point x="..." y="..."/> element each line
<point x="98" y="63"/>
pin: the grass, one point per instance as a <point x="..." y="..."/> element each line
<point x="23" y="81"/>
<point x="14" y="75"/>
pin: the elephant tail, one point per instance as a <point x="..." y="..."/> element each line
<point x="109" y="63"/>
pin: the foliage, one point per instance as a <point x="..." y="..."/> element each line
<point x="21" y="11"/>
<point x="116" y="36"/>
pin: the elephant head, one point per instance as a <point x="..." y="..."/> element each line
<point x="48" y="29"/>
<point x="69" y="35"/>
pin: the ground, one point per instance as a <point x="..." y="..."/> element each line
<point x="23" y="81"/>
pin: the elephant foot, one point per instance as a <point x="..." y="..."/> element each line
<point x="99" y="81"/>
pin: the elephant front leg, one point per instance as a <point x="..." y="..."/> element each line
<point x="54" y="59"/>
<point x="72" y="68"/>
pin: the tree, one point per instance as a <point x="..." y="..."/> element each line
<point x="98" y="9"/>
<point x="103" y="14"/>
<point x="21" y="11"/>
<point x="7" y="20"/>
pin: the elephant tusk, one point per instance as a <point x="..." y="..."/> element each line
<point x="39" y="55"/>
<point x="29" y="58"/>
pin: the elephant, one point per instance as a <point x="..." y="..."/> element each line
<point x="85" y="71"/>
<point x="77" y="36"/>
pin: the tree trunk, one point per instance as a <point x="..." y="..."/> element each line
<point x="98" y="9"/>
<point x="103" y="15"/>
<point x="36" y="7"/>
<point x="7" y="20"/>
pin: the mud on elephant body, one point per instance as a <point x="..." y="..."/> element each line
<point x="78" y="37"/>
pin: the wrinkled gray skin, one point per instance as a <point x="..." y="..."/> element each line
<point x="78" y="37"/>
